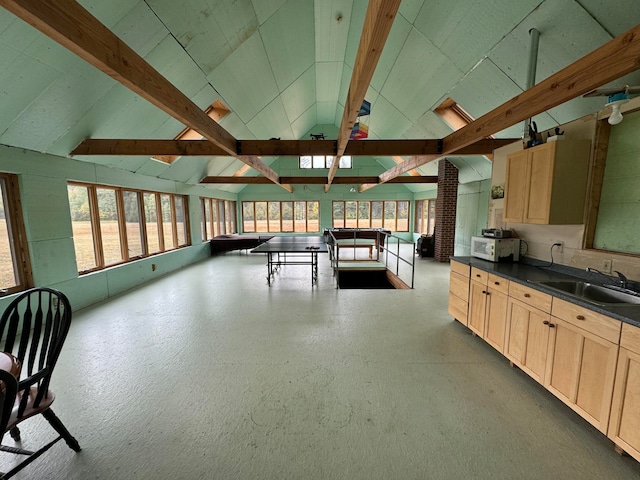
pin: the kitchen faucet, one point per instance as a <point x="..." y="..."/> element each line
<point x="621" y="278"/>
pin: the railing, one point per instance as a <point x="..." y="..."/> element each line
<point x="398" y="258"/>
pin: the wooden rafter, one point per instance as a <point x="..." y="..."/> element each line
<point x="613" y="60"/>
<point x="69" y="24"/>
<point x="382" y="148"/>
<point x="316" y="180"/>
<point x="377" y="25"/>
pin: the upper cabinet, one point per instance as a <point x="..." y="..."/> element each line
<point x="547" y="184"/>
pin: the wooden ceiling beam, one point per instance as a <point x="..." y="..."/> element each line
<point x="72" y="26"/>
<point x="373" y="148"/>
<point x="317" y="180"/>
<point x="613" y="60"/>
<point x="377" y="25"/>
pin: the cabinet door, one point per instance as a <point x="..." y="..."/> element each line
<point x="538" y="202"/>
<point x="515" y="187"/>
<point x="527" y="338"/>
<point x="495" y="322"/>
<point x="624" y="428"/>
<point x="580" y="371"/>
<point x="477" y="307"/>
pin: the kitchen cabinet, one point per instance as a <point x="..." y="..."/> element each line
<point x="624" y="427"/>
<point x="459" y="291"/>
<point x="581" y="360"/>
<point x="547" y="184"/>
<point x="488" y="307"/>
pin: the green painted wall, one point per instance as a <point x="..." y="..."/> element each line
<point x="472" y="213"/>
<point x="618" y="228"/>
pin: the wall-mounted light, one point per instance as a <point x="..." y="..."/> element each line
<point x="353" y="190"/>
<point x="615" y="102"/>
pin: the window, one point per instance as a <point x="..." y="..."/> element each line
<point x="390" y="214"/>
<point x="14" y="257"/>
<point x="281" y="217"/>
<point x="323" y="161"/>
<point x="425" y="216"/>
<point x="218" y="217"/>
<point x="113" y="225"/>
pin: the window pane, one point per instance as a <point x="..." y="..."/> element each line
<point x="318" y="161"/>
<point x="403" y="216"/>
<point x="206" y="216"/>
<point x="432" y="217"/>
<point x="151" y="216"/>
<point x="351" y="215"/>
<point x="181" y="220"/>
<point x="345" y="161"/>
<point x="261" y="216"/>
<point x="221" y="226"/>
<point x="167" y="221"/>
<point x="215" y="222"/>
<point x="248" y="218"/>
<point x="231" y="218"/>
<point x="301" y="216"/>
<point x="305" y="161"/>
<point x="287" y="216"/>
<point x="364" y="220"/>
<point x="376" y="214"/>
<point x="390" y="215"/>
<point x="338" y="214"/>
<point x="419" y="222"/>
<point x="82" y="228"/>
<point x="274" y="216"/>
<point x="328" y="161"/>
<point x="313" y="216"/>
<point x="109" y="226"/>
<point x="133" y="224"/>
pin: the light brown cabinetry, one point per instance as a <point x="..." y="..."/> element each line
<point x="459" y="291"/>
<point x="488" y="307"/>
<point x="547" y="184"/>
<point x="624" y="427"/>
<point x="581" y="360"/>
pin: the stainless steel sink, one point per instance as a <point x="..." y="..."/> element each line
<point x="597" y="294"/>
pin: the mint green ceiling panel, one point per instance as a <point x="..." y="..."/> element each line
<point x="236" y="127"/>
<point x="210" y="30"/>
<point x="420" y="75"/>
<point x="472" y="169"/>
<point x="395" y="42"/>
<point x="614" y="20"/>
<point x="465" y="30"/>
<point x="358" y="12"/>
<point x="289" y="39"/>
<point x="328" y="81"/>
<point x="265" y="8"/>
<point x="428" y="125"/>
<point x="271" y="122"/>
<point x="245" y="79"/>
<point x="152" y="168"/>
<point x="185" y="168"/>
<point x="409" y="9"/>
<point x="140" y="29"/>
<point x="304" y="122"/>
<point x="332" y="19"/>
<point x="326" y="111"/>
<point x="109" y="13"/>
<point x="300" y="95"/>
<point x="386" y="121"/>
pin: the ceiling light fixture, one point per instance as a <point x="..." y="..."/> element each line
<point x="615" y="102"/>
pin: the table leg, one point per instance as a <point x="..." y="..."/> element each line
<point x="269" y="267"/>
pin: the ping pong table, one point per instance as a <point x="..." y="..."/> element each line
<point x="287" y="250"/>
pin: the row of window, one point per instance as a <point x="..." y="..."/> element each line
<point x="218" y="217"/>
<point x="323" y="161"/>
<point x="390" y="214"/>
<point x="298" y="216"/>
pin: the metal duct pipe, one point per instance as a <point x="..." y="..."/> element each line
<point x="531" y="71"/>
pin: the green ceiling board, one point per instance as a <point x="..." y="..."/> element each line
<point x="185" y="168"/>
<point x="236" y="127"/>
<point x="327" y="111"/>
<point x="472" y="169"/>
<point x="409" y="9"/>
<point x="304" y="122"/>
<point x="397" y="37"/>
<point x="386" y="121"/>
<point x="428" y="125"/>
<point x="615" y="20"/>
<point x="300" y="95"/>
<point x="290" y="41"/>
<point x="140" y="29"/>
<point x="271" y="122"/>
<point x="265" y="8"/>
<point x="466" y="30"/>
<point x="420" y="75"/>
<point x="347" y="71"/>
<point x="245" y="79"/>
<point x="358" y="13"/>
<point x="330" y="34"/>
<point x="109" y="13"/>
<point x="328" y="81"/>
<point x="152" y="168"/>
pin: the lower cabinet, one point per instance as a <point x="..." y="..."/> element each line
<point x="624" y="427"/>
<point x="488" y="308"/>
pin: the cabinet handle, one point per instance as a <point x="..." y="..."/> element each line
<point x="546" y="322"/>
<point x="496" y="283"/>
<point x="484" y="292"/>
<point x="551" y="325"/>
<point x="527" y="295"/>
<point x="478" y="275"/>
<point x="580" y="317"/>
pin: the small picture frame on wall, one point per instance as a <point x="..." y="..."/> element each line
<point x="497" y="191"/>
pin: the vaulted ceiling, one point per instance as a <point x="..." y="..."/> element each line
<point x="283" y="68"/>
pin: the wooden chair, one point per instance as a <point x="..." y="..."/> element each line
<point x="33" y="329"/>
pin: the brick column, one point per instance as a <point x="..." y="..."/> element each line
<point x="446" y="203"/>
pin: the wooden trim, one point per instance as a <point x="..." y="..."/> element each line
<point x="596" y="180"/>
<point x="377" y="25"/>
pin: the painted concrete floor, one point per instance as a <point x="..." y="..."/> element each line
<point x="210" y="374"/>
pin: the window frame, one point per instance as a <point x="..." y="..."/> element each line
<point x="218" y="217"/>
<point x="342" y="222"/>
<point x="276" y="225"/>
<point x="96" y="230"/>
<point x="422" y="208"/>
<point x="313" y="162"/>
<point x="16" y="234"/>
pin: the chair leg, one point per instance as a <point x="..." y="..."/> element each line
<point x="15" y="434"/>
<point x="61" y="429"/>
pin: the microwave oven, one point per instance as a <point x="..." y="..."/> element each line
<point x="496" y="249"/>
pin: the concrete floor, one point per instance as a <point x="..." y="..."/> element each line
<point x="208" y="373"/>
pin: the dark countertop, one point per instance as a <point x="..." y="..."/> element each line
<point x="530" y="273"/>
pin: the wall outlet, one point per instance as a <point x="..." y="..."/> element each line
<point x="559" y="246"/>
<point x="606" y="266"/>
